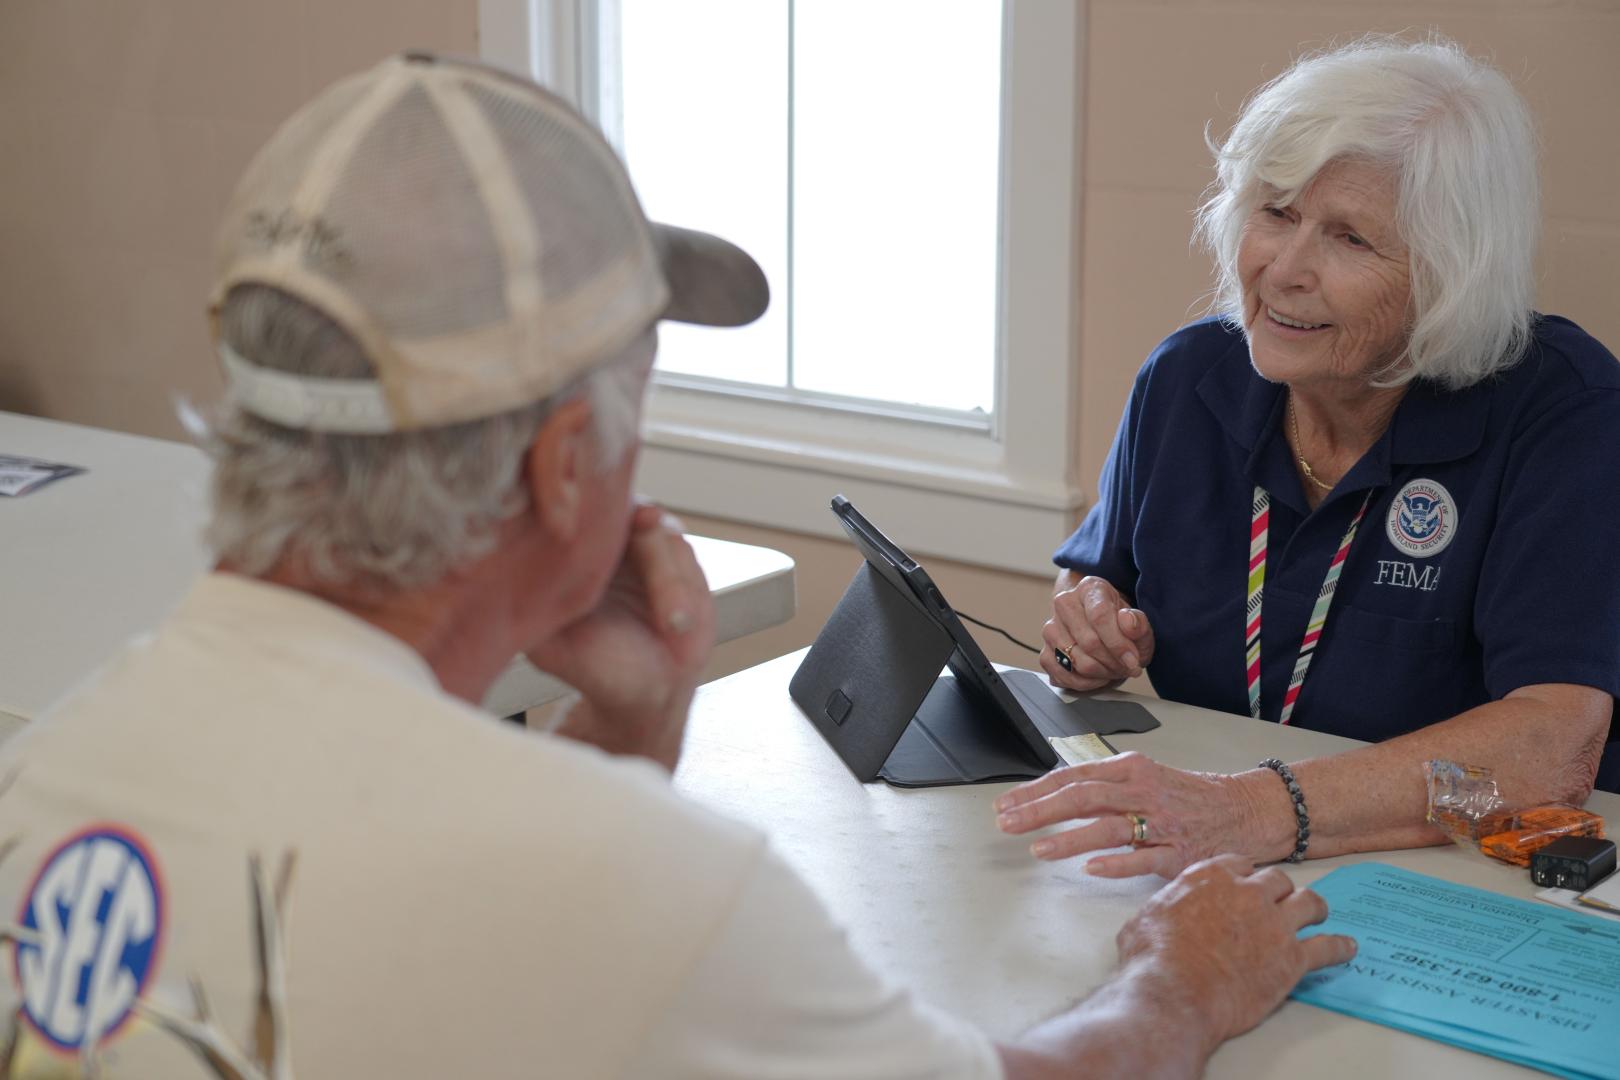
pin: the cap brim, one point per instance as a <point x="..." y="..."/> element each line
<point x="712" y="282"/>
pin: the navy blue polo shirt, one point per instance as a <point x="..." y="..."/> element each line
<point x="1500" y="567"/>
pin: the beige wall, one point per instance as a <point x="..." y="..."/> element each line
<point x="123" y="125"/>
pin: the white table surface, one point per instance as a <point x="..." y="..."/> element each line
<point x="89" y="561"/>
<point x="934" y="894"/>
<point x="752" y="588"/>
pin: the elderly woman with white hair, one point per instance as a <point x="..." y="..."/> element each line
<point x="1376" y="498"/>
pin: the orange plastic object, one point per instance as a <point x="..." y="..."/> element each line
<point x="1513" y="836"/>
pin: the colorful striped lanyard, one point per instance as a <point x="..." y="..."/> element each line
<point x="1259" y="528"/>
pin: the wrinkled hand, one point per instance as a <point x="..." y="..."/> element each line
<point x="1190" y="816"/>
<point x="1223" y="938"/>
<point x="1105" y="639"/>
<point x="636" y="658"/>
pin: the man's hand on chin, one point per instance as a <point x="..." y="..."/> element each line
<point x="636" y="658"/>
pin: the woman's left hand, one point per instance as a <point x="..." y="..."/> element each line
<point x="1189" y="816"/>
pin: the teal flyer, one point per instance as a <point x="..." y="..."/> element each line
<point x="1514" y="979"/>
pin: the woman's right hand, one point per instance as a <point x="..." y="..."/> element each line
<point x="1106" y="640"/>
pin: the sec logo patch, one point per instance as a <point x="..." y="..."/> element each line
<point x="1422" y="519"/>
<point x="93" y="919"/>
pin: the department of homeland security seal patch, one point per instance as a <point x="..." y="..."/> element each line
<point x="1422" y="519"/>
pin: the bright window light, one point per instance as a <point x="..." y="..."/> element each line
<point x="853" y="147"/>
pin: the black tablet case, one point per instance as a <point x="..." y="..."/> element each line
<point x="871" y="685"/>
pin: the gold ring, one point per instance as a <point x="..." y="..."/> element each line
<point x="1063" y="656"/>
<point x="1139" y="833"/>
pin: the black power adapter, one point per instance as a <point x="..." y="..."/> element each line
<point x="1572" y="862"/>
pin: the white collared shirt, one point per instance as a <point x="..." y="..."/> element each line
<point x="457" y="897"/>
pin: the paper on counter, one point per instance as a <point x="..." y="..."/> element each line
<point x="1569" y="898"/>
<point x="1475" y="969"/>
<point x="1604" y="896"/>
<point x="1078" y="749"/>
<point x="20" y="475"/>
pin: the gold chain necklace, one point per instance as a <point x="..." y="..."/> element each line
<point x="1293" y="423"/>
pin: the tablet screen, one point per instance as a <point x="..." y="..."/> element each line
<point x="976" y="675"/>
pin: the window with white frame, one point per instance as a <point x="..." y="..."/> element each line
<point x="904" y="171"/>
<point x="860" y="169"/>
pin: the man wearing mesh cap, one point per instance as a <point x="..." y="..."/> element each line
<point x="275" y="837"/>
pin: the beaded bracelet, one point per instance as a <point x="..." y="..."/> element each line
<point x="1302" y="835"/>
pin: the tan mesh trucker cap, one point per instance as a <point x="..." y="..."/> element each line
<point x="475" y="235"/>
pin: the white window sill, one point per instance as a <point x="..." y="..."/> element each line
<point x="935" y="491"/>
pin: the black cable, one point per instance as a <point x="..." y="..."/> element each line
<point x="1021" y="644"/>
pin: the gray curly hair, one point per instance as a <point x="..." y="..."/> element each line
<point x="398" y="510"/>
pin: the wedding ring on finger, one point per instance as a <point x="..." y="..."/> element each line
<point x="1139" y="829"/>
<point x="1063" y="656"/>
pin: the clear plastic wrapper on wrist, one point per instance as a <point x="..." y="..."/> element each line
<point x="1465" y="803"/>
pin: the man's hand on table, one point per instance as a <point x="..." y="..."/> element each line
<point x="1225" y="937"/>
<point x="1208" y="957"/>
<point x="636" y="659"/>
